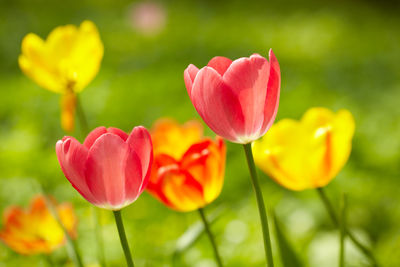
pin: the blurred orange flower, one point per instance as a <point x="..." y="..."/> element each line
<point x="188" y="169"/>
<point x="65" y="63"/>
<point x="35" y="230"/>
<point x="308" y="153"/>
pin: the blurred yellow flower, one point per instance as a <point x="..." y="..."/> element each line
<point x="308" y="153"/>
<point x="66" y="62"/>
<point x="35" y="230"/>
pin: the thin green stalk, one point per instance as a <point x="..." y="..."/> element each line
<point x="335" y="220"/>
<point x="71" y="244"/>
<point x="82" y="117"/>
<point x="122" y="237"/>
<point x="328" y="206"/>
<point x="211" y="237"/>
<point x="342" y="230"/>
<point x="260" y="202"/>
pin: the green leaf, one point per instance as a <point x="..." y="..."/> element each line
<point x="288" y="255"/>
<point x="193" y="233"/>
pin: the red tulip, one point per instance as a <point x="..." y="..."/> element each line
<point x="111" y="169"/>
<point x="237" y="99"/>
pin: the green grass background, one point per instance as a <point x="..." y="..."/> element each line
<point x="336" y="54"/>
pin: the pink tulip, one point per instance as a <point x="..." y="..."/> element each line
<point x="238" y="100"/>
<point x="111" y="169"/>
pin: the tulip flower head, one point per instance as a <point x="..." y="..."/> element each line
<point x="65" y="63"/>
<point x="237" y="99"/>
<point x="35" y="230"/>
<point x="308" y="153"/>
<point x="188" y="169"/>
<point x="111" y="168"/>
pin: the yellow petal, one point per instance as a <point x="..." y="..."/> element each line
<point x="173" y="139"/>
<point x="308" y="153"/>
<point x="184" y="194"/>
<point x="35" y="64"/>
<point x="69" y="59"/>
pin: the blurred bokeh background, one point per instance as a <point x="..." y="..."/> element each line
<point x="336" y="54"/>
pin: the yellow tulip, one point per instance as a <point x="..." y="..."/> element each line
<point x="308" y="153"/>
<point x="65" y="63"/>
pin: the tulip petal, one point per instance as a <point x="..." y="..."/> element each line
<point x="170" y="138"/>
<point x="93" y="135"/>
<point x="188" y="75"/>
<point x="78" y="52"/>
<point x="161" y="165"/>
<point x="248" y="80"/>
<point x="134" y="181"/>
<point x="313" y="156"/>
<point x="72" y="157"/>
<point x="34" y="63"/>
<point x="113" y="171"/>
<point x="183" y="191"/>
<point x="216" y="103"/>
<point x="140" y="141"/>
<point x="220" y="64"/>
<point x="273" y="92"/>
<point x="99" y="131"/>
<point x="67" y="61"/>
<point x="205" y="161"/>
<point x="118" y="132"/>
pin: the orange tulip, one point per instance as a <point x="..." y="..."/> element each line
<point x="188" y="169"/>
<point x="35" y="230"/>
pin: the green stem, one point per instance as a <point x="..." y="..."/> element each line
<point x="122" y="237"/>
<point x="71" y="244"/>
<point x="211" y="237"/>
<point x="260" y="202"/>
<point x="342" y="230"/>
<point x="328" y="205"/>
<point x="335" y="220"/>
<point x="82" y="117"/>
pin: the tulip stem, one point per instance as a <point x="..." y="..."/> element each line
<point x="71" y="245"/>
<point x="82" y="117"/>
<point x="336" y="222"/>
<point x="261" y="205"/>
<point x="122" y="237"/>
<point x="211" y="237"/>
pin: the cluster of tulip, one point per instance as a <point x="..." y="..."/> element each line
<point x="175" y="163"/>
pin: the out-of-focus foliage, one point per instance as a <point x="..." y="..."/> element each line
<point x="337" y="54"/>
